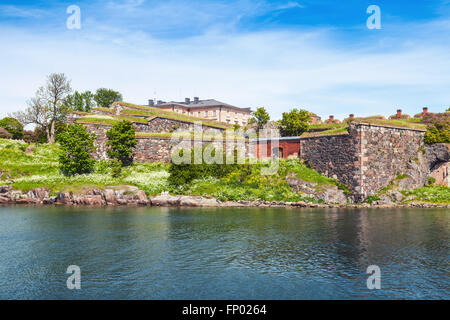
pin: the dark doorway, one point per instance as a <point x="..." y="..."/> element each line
<point x="277" y="153"/>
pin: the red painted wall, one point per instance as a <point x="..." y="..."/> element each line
<point x="287" y="147"/>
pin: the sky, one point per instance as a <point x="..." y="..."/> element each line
<point x="317" y="55"/>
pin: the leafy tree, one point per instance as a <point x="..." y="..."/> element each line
<point x="121" y="140"/>
<point x="105" y="97"/>
<point x="13" y="126"/>
<point x="40" y="135"/>
<point x="448" y="110"/>
<point x="80" y="101"/>
<point x="294" y="123"/>
<point x="76" y="146"/>
<point x="260" y="117"/>
<point x="60" y="128"/>
<point x="28" y="136"/>
<point x="48" y="106"/>
<point x="36" y="113"/>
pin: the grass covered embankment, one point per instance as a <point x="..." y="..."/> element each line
<point x="36" y="165"/>
<point x="28" y="166"/>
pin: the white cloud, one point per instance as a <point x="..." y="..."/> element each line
<point x="20" y="12"/>
<point x="290" y="5"/>
<point x="127" y="5"/>
<point x="278" y="70"/>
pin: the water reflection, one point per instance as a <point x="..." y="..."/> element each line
<point x="179" y="253"/>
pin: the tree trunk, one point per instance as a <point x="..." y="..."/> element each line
<point x="52" y="133"/>
<point x="47" y="131"/>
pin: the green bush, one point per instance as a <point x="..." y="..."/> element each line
<point x="295" y="122"/>
<point x="431" y="180"/>
<point x="103" y="167"/>
<point x="438" y="128"/>
<point x="76" y="146"/>
<point x="121" y="141"/>
<point x="13" y="126"/>
<point x="430" y="193"/>
<point x="182" y="174"/>
<point x="4" y="134"/>
<point x="371" y="199"/>
<point x="105" y="97"/>
<point x="116" y="168"/>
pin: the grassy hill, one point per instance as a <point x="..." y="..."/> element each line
<point x="36" y="165"/>
<point x="28" y="166"/>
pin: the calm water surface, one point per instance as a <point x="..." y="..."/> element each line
<point x="162" y="253"/>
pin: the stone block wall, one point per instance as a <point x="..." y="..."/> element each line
<point x="333" y="156"/>
<point x="100" y="140"/>
<point x="168" y="125"/>
<point x="367" y="159"/>
<point x="150" y="149"/>
<point x="385" y="153"/>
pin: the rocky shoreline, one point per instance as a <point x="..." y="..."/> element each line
<point x="132" y="196"/>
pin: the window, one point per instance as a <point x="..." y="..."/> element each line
<point x="206" y="114"/>
<point x="199" y="115"/>
<point x="214" y="113"/>
<point x="192" y="113"/>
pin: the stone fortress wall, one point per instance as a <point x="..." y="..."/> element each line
<point x="366" y="159"/>
<point x="370" y="157"/>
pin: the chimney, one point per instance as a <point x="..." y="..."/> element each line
<point x="352" y="116"/>
<point x="331" y="119"/>
<point x="151" y="103"/>
<point x="399" y="113"/>
<point x="187" y="100"/>
<point x="425" y="111"/>
<point x="195" y="99"/>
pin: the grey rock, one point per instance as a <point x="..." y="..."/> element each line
<point x="437" y="153"/>
<point x="110" y="196"/>
<point x="38" y="193"/>
<point x="5" y="189"/>
<point x="329" y="194"/>
<point x="64" y="198"/>
<point x="49" y="200"/>
<point x="396" y="196"/>
<point x="165" y="200"/>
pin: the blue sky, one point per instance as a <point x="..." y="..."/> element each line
<point x="313" y="54"/>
